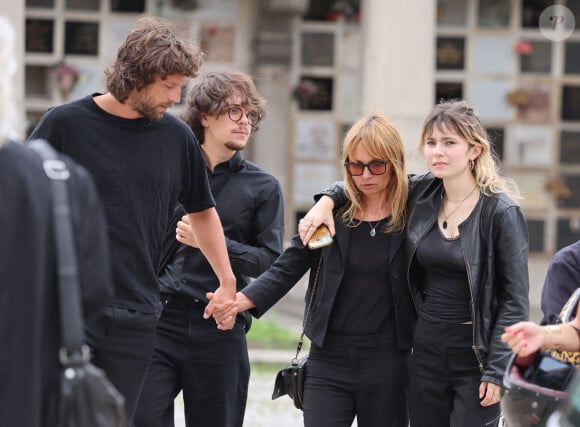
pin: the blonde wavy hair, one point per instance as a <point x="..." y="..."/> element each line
<point x="8" y="117"/>
<point x="382" y="141"/>
<point x="458" y="116"/>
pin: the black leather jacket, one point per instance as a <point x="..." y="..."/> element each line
<point x="287" y="270"/>
<point x="494" y="240"/>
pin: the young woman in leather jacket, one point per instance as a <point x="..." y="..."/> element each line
<point x="467" y="251"/>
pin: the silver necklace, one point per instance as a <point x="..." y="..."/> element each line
<point x="444" y="224"/>
<point x="373" y="231"/>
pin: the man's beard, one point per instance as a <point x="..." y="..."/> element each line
<point x="142" y="104"/>
<point x="235" y="146"/>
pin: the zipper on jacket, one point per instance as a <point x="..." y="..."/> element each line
<point x="473" y="346"/>
<point x="415" y="247"/>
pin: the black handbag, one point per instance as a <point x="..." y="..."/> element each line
<point x="290" y="380"/>
<point x="84" y="396"/>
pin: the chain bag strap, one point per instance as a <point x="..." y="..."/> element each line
<point x="290" y="380"/>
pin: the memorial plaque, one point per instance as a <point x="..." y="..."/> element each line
<point x="494" y="13"/>
<point x="536" y="235"/>
<point x="539" y="60"/>
<point x="450" y="53"/>
<point x="40" y="3"/>
<point x="572" y="64"/>
<point x="83" y="4"/>
<point x="571" y="103"/>
<point x="448" y="90"/>
<point x="568" y="232"/>
<point x="39" y="35"/>
<point x="81" y="38"/>
<point x="318" y="49"/>
<point x="496" y="138"/>
<point x="572" y="183"/>
<point x="128" y="6"/>
<point x="570" y="147"/>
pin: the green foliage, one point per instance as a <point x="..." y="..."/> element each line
<point x="268" y="334"/>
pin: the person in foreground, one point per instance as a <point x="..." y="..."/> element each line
<point x="361" y="318"/>
<point x="144" y="161"/>
<point x="210" y="366"/>
<point x="467" y="248"/>
<point x="29" y="303"/>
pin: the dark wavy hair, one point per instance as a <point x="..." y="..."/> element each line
<point x="152" y="48"/>
<point x="212" y="94"/>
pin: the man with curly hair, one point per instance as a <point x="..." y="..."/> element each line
<point x="144" y="161"/>
<point x="212" y="367"/>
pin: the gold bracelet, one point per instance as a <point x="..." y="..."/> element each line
<point x="552" y="331"/>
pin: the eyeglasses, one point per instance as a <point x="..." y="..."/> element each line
<point x="236" y="113"/>
<point x="376" y="167"/>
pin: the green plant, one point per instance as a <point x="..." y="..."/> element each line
<point x="268" y="334"/>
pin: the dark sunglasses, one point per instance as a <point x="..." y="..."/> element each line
<point x="376" y="167"/>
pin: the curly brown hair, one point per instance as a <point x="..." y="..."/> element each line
<point x="152" y="48"/>
<point x="212" y="94"/>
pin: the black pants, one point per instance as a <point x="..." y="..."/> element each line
<point x="445" y="379"/>
<point x="210" y="366"/>
<point x="122" y="344"/>
<point x="364" y="377"/>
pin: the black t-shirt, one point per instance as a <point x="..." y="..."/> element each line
<point x="364" y="302"/>
<point x="142" y="169"/>
<point x="445" y="279"/>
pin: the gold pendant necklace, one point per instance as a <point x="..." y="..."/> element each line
<point x="444" y="224"/>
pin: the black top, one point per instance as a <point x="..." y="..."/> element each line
<point x="250" y="204"/>
<point x="364" y="302"/>
<point x="445" y="280"/>
<point x="29" y="322"/>
<point x="142" y="168"/>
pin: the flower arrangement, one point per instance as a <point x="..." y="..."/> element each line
<point x="303" y="91"/>
<point x="67" y="76"/>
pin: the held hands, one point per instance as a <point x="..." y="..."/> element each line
<point x="184" y="233"/>
<point x="223" y="309"/>
<point x="224" y="313"/>
<point x="320" y="213"/>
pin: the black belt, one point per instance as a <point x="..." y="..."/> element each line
<point x="181" y="300"/>
<point x="334" y="340"/>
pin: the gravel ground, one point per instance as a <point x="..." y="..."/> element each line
<point x="261" y="410"/>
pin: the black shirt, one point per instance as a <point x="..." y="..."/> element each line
<point x="250" y="204"/>
<point x="447" y="296"/>
<point x="142" y="169"/>
<point x="364" y="302"/>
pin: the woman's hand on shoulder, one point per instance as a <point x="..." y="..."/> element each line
<point x="320" y="213"/>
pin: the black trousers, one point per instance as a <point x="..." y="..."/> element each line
<point x="365" y="376"/>
<point x="445" y="379"/>
<point x="210" y="366"/>
<point x="122" y="344"/>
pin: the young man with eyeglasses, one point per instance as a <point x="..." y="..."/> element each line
<point x="211" y="367"/>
